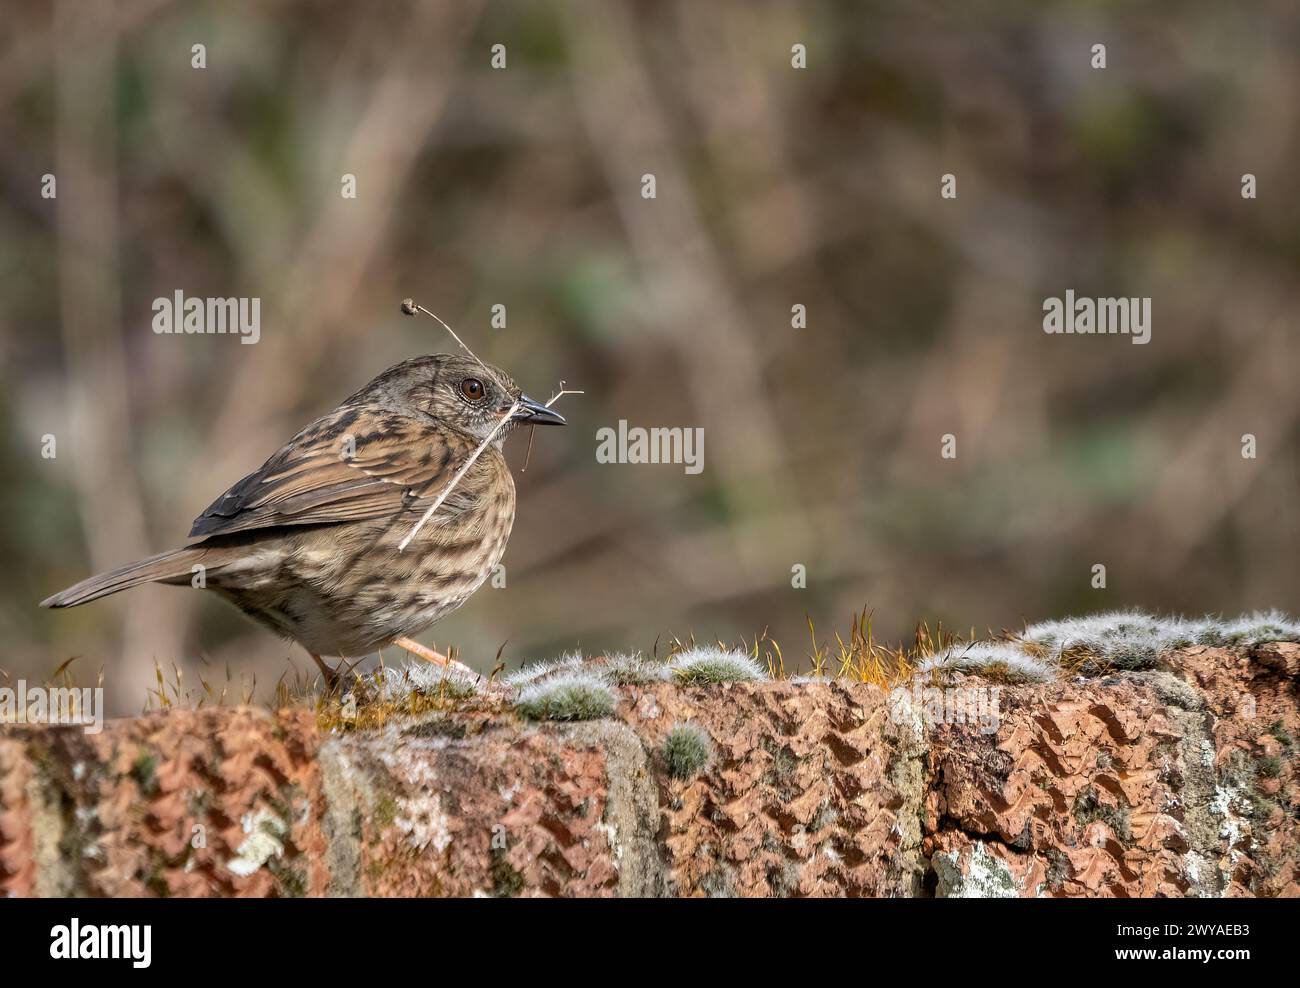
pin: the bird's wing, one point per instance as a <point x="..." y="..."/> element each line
<point x="351" y="465"/>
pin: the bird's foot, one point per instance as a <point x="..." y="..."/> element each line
<point x="331" y="676"/>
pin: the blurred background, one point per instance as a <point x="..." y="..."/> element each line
<point x="775" y="187"/>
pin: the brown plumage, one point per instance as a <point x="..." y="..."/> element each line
<point x="307" y="545"/>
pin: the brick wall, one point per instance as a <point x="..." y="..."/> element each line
<point x="1175" y="782"/>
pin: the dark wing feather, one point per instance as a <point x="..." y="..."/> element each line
<point x="399" y="462"/>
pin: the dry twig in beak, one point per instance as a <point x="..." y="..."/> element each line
<point x="532" y="431"/>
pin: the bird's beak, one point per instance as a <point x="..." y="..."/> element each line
<point x="535" y="413"/>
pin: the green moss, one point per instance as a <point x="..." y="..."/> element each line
<point x="1269" y="766"/>
<point x="1261" y="810"/>
<point x="567" y="697"/>
<point x="143" y="771"/>
<point x="439" y="727"/>
<point x="506" y="882"/>
<point x="702" y="666"/>
<point x="711" y="666"/>
<point x="453" y="689"/>
<point x="388" y="694"/>
<point x="291" y="882"/>
<point x="282" y="805"/>
<point x="687" y="751"/>
<point x="1132" y="656"/>
<point x="385" y="811"/>
<point x="156" y="881"/>
<point x="634" y="670"/>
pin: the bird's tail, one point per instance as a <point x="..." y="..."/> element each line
<point x="166" y="567"/>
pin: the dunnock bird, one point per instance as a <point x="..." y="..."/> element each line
<point x="310" y="545"/>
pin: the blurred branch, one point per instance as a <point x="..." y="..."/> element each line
<point x="683" y="275"/>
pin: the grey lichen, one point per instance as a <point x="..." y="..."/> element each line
<point x="266" y="832"/>
<point x="985" y="876"/>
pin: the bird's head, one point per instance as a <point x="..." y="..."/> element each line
<point x="459" y="392"/>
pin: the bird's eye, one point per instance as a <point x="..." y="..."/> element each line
<point x="472" y="388"/>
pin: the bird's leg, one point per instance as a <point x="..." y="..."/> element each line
<point x="331" y="677"/>
<point x="432" y="655"/>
